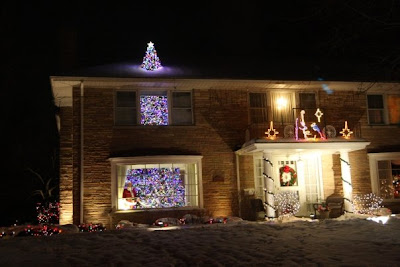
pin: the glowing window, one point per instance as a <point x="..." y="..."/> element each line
<point x="385" y="174"/>
<point x="158" y="185"/>
<point x="153" y="109"/>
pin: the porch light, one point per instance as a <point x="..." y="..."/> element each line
<point x="281" y="103"/>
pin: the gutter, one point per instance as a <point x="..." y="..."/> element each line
<point x="238" y="184"/>
<point x="81" y="156"/>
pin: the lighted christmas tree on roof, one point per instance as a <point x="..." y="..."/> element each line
<point x="151" y="60"/>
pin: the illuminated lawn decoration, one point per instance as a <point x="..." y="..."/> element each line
<point x="271" y="132"/>
<point x="287" y="204"/>
<point x="318" y="114"/>
<point x="346" y="131"/>
<point x="369" y="204"/>
<point x="153" y="110"/>
<point x="316" y="128"/>
<point x="303" y="126"/>
<point x="48" y="212"/>
<point x="150" y="60"/>
<point x="156" y="188"/>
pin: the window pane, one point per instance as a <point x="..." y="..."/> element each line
<point x="182" y="100"/>
<point x="282" y="107"/>
<point x="258" y="108"/>
<point x="394" y="109"/>
<point x="156" y="186"/>
<point x="154" y="110"/>
<point x="126" y="99"/>
<point x="258" y="115"/>
<point x="307" y="100"/>
<point x="181" y="116"/>
<point x="375" y="101"/>
<point x="257" y="100"/>
<point x="375" y="116"/>
<point x="125" y="116"/>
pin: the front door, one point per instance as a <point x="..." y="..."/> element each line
<point x="302" y="177"/>
<point x="287" y="179"/>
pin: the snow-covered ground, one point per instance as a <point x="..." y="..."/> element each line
<point x="345" y="241"/>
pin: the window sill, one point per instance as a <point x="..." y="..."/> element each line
<point x="369" y="126"/>
<point x="391" y="200"/>
<point x="150" y="126"/>
<point x="157" y="210"/>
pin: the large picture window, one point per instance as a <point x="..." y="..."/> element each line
<point x="385" y="174"/>
<point x="157" y="183"/>
<point x="153" y="108"/>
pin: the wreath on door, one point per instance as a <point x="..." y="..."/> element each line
<point x="288" y="176"/>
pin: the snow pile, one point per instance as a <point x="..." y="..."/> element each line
<point x="346" y="241"/>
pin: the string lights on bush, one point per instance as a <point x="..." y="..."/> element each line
<point x="48" y="212"/>
<point x="287" y="204"/>
<point x="368" y="204"/>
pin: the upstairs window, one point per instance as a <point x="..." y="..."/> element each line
<point x="308" y="103"/>
<point x="125" y="108"/>
<point x="376" y="109"/>
<point x="383" y="109"/>
<point x="153" y="108"/>
<point x="307" y="100"/>
<point x="182" y="108"/>
<point x="258" y="108"/>
<point x="282" y="107"/>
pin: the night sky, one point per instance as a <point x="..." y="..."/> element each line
<point x="330" y="40"/>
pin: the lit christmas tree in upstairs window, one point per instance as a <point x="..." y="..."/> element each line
<point x="151" y="60"/>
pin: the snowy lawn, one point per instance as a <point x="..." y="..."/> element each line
<point x="345" y="241"/>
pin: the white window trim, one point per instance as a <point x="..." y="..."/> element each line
<point x="138" y="108"/>
<point x="373" y="169"/>
<point x="153" y="160"/>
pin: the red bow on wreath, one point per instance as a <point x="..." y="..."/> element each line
<point x="286" y="168"/>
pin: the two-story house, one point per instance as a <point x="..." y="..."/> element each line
<point x="140" y="145"/>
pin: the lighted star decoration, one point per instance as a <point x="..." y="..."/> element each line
<point x="318" y="114"/>
<point x="271" y="132"/>
<point x="346" y="131"/>
<point x="150" y="45"/>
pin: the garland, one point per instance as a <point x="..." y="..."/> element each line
<point x="293" y="176"/>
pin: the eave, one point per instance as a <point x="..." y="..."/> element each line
<point x="291" y="146"/>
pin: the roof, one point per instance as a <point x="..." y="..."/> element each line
<point x="275" y="70"/>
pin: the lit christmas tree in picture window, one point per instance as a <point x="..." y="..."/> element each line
<point x="151" y="60"/>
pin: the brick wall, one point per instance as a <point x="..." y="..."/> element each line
<point x="66" y="169"/>
<point x="220" y="125"/>
<point x="219" y="130"/>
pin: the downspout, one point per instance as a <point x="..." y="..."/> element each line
<point x="82" y="157"/>
<point x="238" y="185"/>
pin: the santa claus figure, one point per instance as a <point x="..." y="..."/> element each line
<point x="129" y="191"/>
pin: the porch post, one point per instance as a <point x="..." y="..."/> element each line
<point x="269" y="186"/>
<point x="346" y="179"/>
